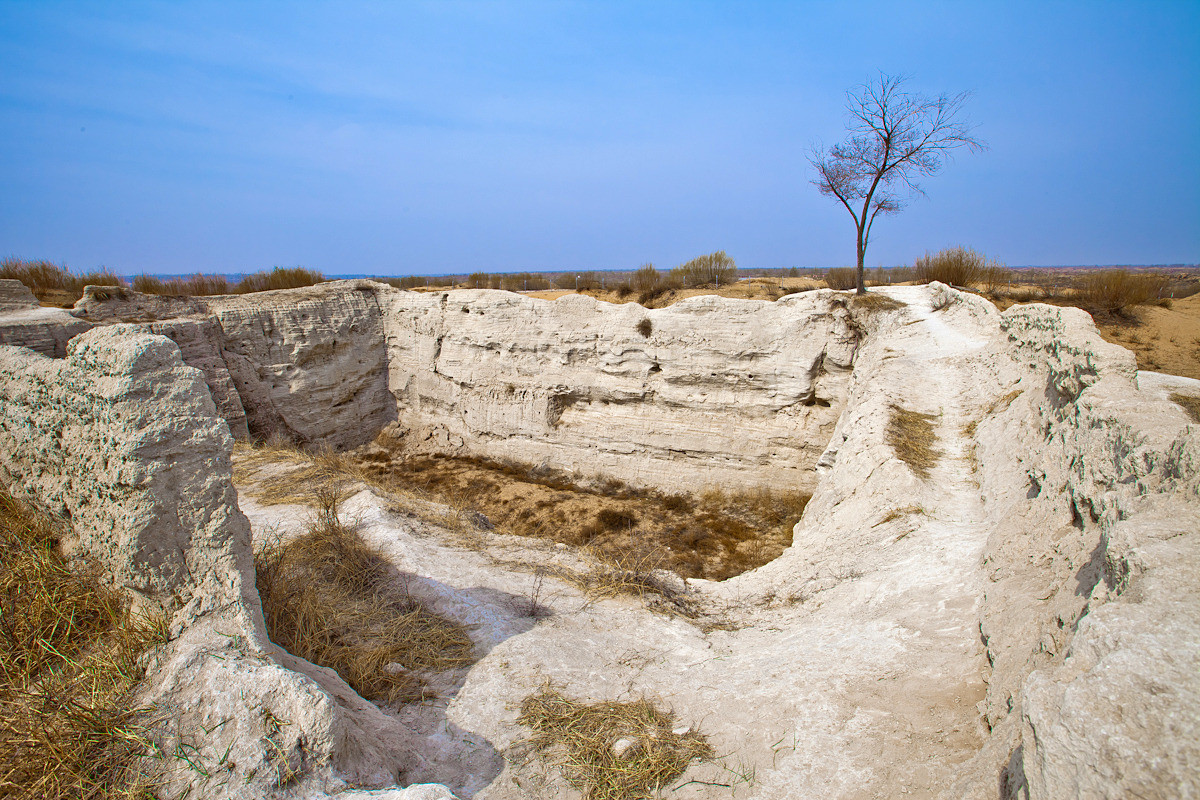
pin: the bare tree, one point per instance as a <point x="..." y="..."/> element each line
<point x="895" y="137"/>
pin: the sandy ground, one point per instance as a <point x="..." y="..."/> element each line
<point x="1167" y="340"/>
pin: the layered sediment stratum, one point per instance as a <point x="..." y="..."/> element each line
<point x="1022" y="621"/>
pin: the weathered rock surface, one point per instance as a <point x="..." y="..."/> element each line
<point x="706" y="392"/>
<point x="16" y="296"/>
<point x="43" y="330"/>
<point x="121" y="442"/>
<point x="309" y="363"/>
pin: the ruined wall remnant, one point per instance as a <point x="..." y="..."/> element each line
<point x="121" y="439"/>
<point x="308" y="363"/>
<point x="1046" y="576"/>
<point x="120" y="442"/>
<point x="711" y="392"/>
<point x="706" y="392"/>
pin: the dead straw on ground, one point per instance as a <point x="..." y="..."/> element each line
<point x="69" y="662"/>
<point x="331" y="599"/>
<point x="610" y="750"/>
<point x="914" y="440"/>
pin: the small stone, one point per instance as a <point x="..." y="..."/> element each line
<point x="623" y="746"/>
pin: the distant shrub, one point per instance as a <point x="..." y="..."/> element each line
<point x="959" y="266"/>
<point x="714" y="268"/>
<point x="479" y="280"/>
<point x="405" y="282"/>
<point x="194" y="285"/>
<point x="279" y="278"/>
<point x="44" y="278"/>
<point x="842" y="278"/>
<point x="624" y="290"/>
<point x="649" y="296"/>
<point x="524" y="281"/>
<point x="584" y="281"/>
<point x="1115" y="291"/>
<point x="646" y="279"/>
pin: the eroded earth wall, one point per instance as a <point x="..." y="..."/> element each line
<point x="1089" y="617"/>
<point x="706" y="392"/>
<point x="1024" y="618"/>
<point x="120" y="442"/>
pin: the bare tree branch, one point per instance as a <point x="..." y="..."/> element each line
<point x="894" y="138"/>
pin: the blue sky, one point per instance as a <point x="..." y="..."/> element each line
<point x="434" y="137"/>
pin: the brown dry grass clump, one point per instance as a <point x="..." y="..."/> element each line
<point x="1117" y="291"/>
<point x="68" y="667"/>
<point x="190" y="286"/>
<point x="329" y="598"/>
<point x="610" y="750"/>
<point x="842" y="278"/>
<point x="279" y="278"/>
<point x="912" y="437"/>
<point x="873" y="301"/>
<point x="54" y="283"/>
<point x="954" y="266"/>
<point x="1190" y="403"/>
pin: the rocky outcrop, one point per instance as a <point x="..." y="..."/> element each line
<point x="309" y="364"/>
<point x="707" y="392"/>
<point x="1093" y="557"/>
<point x="16" y="296"/>
<point x="121" y="443"/>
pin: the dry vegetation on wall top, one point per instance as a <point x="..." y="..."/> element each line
<point x="332" y="600"/>
<point x="55" y="284"/>
<point x="69" y="661"/>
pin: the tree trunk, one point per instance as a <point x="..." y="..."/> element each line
<point x="862" y="253"/>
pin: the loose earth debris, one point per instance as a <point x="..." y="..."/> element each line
<point x="69" y="662"/>
<point x="611" y="750"/>
<point x="329" y="598"/>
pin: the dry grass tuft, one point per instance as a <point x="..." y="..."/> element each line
<point x="912" y="437"/>
<point x="842" y="278"/>
<point x="279" y="278"/>
<point x="54" y="283"/>
<point x="331" y="599"/>
<point x="899" y="513"/>
<point x="1190" y="403"/>
<point x="645" y="327"/>
<point x="611" y="750"/>
<point x="873" y="301"/>
<point x="1116" y="291"/>
<point x="640" y="573"/>
<point x="68" y="666"/>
